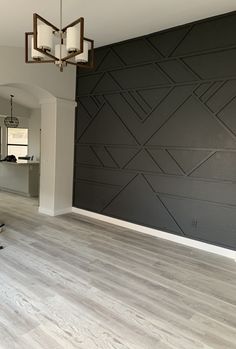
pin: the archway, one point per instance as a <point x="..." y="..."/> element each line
<point x="56" y="94"/>
<point x="56" y="145"/>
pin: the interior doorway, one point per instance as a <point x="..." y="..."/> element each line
<point x="20" y="150"/>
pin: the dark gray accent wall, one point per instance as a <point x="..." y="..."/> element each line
<point x="155" y="139"/>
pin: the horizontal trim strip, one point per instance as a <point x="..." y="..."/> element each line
<point x="156" y="86"/>
<point x="162" y="59"/>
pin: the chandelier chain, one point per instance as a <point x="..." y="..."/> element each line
<point x="60" y="14"/>
<point x="11" y="106"/>
<point x="60" y="29"/>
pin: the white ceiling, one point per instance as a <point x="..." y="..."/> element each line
<point x="21" y="96"/>
<point x="106" y="21"/>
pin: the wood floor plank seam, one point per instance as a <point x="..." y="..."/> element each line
<point x="70" y="282"/>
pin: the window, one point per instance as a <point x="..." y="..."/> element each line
<point x="17" y="141"/>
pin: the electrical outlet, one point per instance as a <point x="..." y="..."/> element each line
<point x="194" y="222"/>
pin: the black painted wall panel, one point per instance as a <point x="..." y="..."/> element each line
<point x="156" y="131"/>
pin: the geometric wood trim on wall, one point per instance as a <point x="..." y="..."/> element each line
<point x="155" y="140"/>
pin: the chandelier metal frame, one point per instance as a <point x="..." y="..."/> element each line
<point x="61" y="34"/>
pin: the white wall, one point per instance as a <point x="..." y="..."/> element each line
<point x="34" y="133"/>
<point x="18" y="109"/>
<point x="64" y="156"/>
<point x="45" y="81"/>
<point x="14" y="70"/>
<point x="57" y="156"/>
<point x="48" y="162"/>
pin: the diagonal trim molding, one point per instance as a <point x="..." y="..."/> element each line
<point x="221" y="251"/>
<point x="168" y="104"/>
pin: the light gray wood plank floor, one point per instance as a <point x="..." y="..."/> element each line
<point x="70" y="282"/>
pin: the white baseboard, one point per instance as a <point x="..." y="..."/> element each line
<point x="45" y="211"/>
<point x="54" y="213"/>
<point x="7" y="190"/>
<point x="159" y="234"/>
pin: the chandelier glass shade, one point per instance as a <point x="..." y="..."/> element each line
<point x="11" y="121"/>
<point x="62" y="46"/>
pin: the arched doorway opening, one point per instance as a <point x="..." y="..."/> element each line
<point x="55" y="143"/>
<point x="24" y="141"/>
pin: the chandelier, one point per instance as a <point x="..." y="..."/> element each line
<point x="62" y="46"/>
<point x="11" y="121"/>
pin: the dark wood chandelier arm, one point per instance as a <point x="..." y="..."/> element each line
<point x="71" y="55"/>
<point x="77" y="52"/>
<point x="46" y="53"/>
<point x="90" y="63"/>
<point x="77" y="21"/>
<point x="37" y="17"/>
<point x="80" y="21"/>
<point x="48" y="50"/>
<point x="27" y="60"/>
<point x="27" y="34"/>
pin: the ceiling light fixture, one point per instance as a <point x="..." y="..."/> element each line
<point x="11" y="121"/>
<point x="62" y="46"/>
